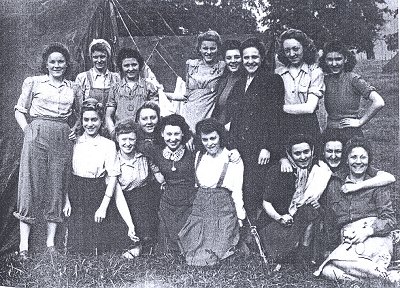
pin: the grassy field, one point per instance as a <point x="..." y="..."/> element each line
<point x="167" y="271"/>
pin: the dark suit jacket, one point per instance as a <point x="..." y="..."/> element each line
<point x="256" y="115"/>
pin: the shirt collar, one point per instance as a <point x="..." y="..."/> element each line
<point x="285" y="69"/>
<point x="131" y="161"/>
<point x="125" y="83"/>
<point x="46" y="78"/>
<point x="85" y="139"/>
<point x="96" y="73"/>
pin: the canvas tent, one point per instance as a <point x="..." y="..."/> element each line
<point x="392" y="65"/>
<point x="29" y="25"/>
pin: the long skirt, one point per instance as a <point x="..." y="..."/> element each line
<point x="378" y="250"/>
<point x="212" y="229"/>
<point x="84" y="234"/>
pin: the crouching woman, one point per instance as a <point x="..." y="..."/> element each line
<point x="366" y="219"/>
<point x="212" y="229"/>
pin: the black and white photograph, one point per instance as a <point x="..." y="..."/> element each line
<point x="199" y="143"/>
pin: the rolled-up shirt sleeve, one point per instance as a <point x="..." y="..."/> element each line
<point x="386" y="220"/>
<point x="25" y="99"/>
<point x="317" y="85"/>
<point x="112" y="96"/>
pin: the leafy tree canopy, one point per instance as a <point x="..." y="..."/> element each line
<point x="355" y="22"/>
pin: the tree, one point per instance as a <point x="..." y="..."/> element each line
<point x="355" y="22"/>
<point x="163" y="17"/>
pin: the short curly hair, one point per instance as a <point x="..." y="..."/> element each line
<point x="148" y="105"/>
<point x="125" y="53"/>
<point x="339" y="47"/>
<point x="55" y="47"/>
<point x="310" y="53"/>
<point x="173" y="120"/>
<point x="125" y="127"/>
<point x="210" y="35"/>
<point x="229" y="45"/>
<point x="358" y="142"/>
<point x="208" y="126"/>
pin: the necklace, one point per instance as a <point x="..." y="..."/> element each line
<point x="173" y="155"/>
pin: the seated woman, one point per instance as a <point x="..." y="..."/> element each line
<point x="233" y="71"/>
<point x="212" y="229"/>
<point x="176" y="164"/>
<point x="330" y="163"/>
<point x="147" y="117"/>
<point x="366" y="219"/>
<point x="134" y="181"/>
<point x="287" y="217"/>
<point x="344" y="90"/>
<point x="131" y="92"/>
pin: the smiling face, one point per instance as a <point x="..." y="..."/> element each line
<point x="56" y="65"/>
<point x="302" y="154"/>
<point x="211" y="142"/>
<point x="127" y="142"/>
<point x="91" y="123"/>
<point x="130" y="68"/>
<point x="335" y="62"/>
<point x="333" y="153"/>
<point x="209" y="51"/>
<point x="358" y="161"/>
<point x="293" y="51"/>
<point x="251" y="59"/>
<point x="99" y="60"/>
<point x="172" y="136"/>
<point x="148" y="120"/>
<point x="233" y="60"/>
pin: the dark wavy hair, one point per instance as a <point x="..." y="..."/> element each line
<point x="339" y="47"/>
<point x="256" y="43"/>
<point x="173" y="120"/>
<point x="358" y="142"/>
<point x="129" y="53"/>
<point x="210" y="35"/>
<point x="148" y="105"/>
<point x="310" y="53"/>
<point x="230" y="45"/>
<point x="55" y="47"/>
<point x="125" y="127"/>
<point x="208" y="126"/>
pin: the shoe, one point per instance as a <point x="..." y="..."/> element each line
<point x="132" y="253"/>
<point x="23" y="256"/>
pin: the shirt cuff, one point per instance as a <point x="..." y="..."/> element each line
<point x="21" y="109"/>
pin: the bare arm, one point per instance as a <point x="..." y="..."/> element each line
<point x="123" y="210"/>
<point x="376" y="105"/>
<point x="21" y="119"/>
<point x="286" y="219"/>
<point x="110" y="112"/>
<point x="102" y="210"/>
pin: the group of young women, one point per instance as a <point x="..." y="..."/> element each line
<point x="127" y="179"/>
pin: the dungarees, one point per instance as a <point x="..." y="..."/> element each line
<point x="101" y="95"/>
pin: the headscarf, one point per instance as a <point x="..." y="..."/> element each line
<point x="100" y="41"/>
<point x="301" y="182"/>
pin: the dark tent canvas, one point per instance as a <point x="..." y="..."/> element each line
<point x="29" y="25"/>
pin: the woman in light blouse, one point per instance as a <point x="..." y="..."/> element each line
<point x="304" y="85"/>
<point x="50" y="100"/>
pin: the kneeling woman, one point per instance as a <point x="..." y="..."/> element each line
<point x="366" y="219"/>
<point x="212" y="230"/>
